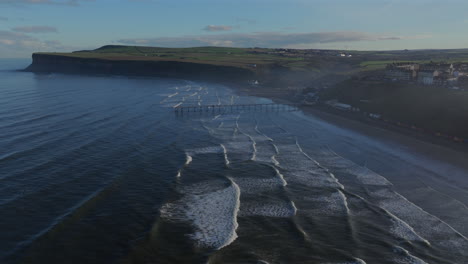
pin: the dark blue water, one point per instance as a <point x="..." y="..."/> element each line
<point x="99" y="169"/>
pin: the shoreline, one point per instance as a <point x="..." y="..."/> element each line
<point x="434" y="148"/>
<point x="368" y="127"/>
<point x="378" y="124"/>
<point x="277" y="95"/>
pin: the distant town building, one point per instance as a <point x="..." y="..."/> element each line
<point x="426" y="77"/>
<point x="463" y="81"/>
<point x="401" y="71"/>
<point x="441" y="74"/>
<point x="439" y="67"/>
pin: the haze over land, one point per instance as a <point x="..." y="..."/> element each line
<point x="27" y="26"/>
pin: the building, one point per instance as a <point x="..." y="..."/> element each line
<point x="463" y="81"/>
<point x="441" y="74"/>
<point x="401" y="71"/>
<point x="446" y="68"/>
<point x="426" y="77"/>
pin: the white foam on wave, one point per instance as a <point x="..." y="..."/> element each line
<point x="281" y="176"/>
<point x="345" y="201"/>
<point x="356" y="261"/>
<point x="252" y="140"/>
<point x="334" y="203"/>
<point x="257" y="186"/>
<point x="273" y="158"/>
<point x="169" y="96"/>
<point x="432" y="228"/>
<point x="274" y="208"/>
<point x="254" y="146"/>
<point x="239" y="147"/>
<point x="318" y="164"/>
<point x="226" y="160"/>
<point x="401" y="229"/>
<point x="406" y="257"/>
<point x="303" y="170"/>
<point x="259" y="132"/>
<point x="275" y="161"/>
<point x="276" y="149"/>
<point x="213" y="214"/>
<point x="294" y="207"/>
<point x="188" y="160"/>
<point x="205" y="150"/>
<point x="398" y="227"/>
<point x="172" y="95"/>
<point x="177" y="105"/>
<point x="362" y="174"/>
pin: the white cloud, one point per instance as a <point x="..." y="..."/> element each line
<point x="265" y="39"/>
<point x="22" y="45"/>
<point x="214" y="28"/>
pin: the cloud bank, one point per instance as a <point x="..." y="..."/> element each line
<point x="265" y="39"/>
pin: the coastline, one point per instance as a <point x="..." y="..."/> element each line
<point x="236" y="79"/>
<point x="327" y="112"/>
<point x="439" y="148"/>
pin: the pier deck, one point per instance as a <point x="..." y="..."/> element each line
<point x="180" y="109"/>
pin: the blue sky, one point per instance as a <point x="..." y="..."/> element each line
<point x="65" y="25"/>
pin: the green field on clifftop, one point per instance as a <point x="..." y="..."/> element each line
<point x="302" y="60"/>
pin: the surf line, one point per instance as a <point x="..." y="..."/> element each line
<point x="169" y="96"/>
<point x="233" y="234"/>
<point x="281" y="176"/>
<point x="319" y="165"/>
<point x="254" y="143"/>
<point x="226" y="160"/>
<point x="188" y="160"/>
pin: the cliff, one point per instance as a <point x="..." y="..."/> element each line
<point x="124" y="66"/>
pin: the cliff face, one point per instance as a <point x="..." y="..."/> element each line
<point x="171" y="69"/>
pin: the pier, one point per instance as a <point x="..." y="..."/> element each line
<point x="180" y="109"/>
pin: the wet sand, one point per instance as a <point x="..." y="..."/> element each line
<point x="437" y="151"/>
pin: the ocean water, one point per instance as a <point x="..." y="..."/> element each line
<point x="99" y="169"/>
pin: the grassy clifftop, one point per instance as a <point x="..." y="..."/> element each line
<point x="293" y="59"/>
<point x="238" y="57"/>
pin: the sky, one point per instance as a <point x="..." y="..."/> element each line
<point x="28" y="26"/>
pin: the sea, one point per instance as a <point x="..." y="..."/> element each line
<point x="101" y="169"/>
